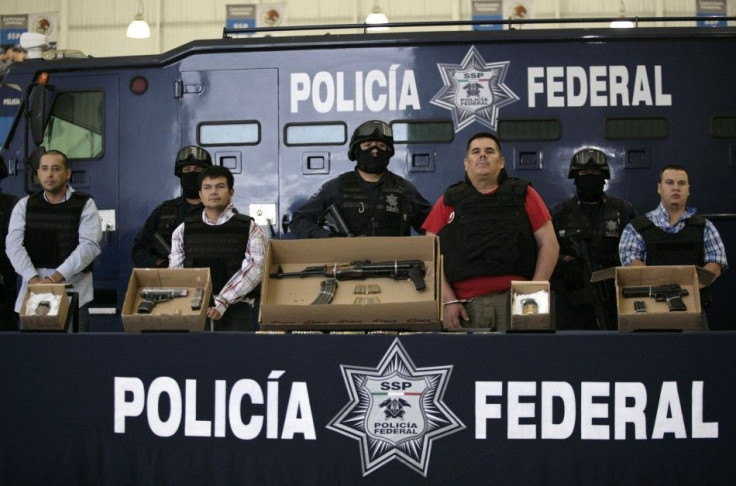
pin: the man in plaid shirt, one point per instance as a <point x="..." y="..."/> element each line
<point x="230" y="244"/>
<point x="673" y="234"/>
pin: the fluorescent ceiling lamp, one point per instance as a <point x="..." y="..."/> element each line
<point x="376" y="17"/>
<point x="623" y="23"/>
<point x="138" y="28"/>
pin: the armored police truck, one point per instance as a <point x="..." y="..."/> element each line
<point x="279" y="111"/>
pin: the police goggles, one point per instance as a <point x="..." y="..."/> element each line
<point x="370" y="128"/>
<point x="590" y="158"/>
<point x="192" y="153"/>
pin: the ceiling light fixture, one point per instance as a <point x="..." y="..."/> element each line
<point x="623" y="23"/>
<point x="376" y="17"/>
<point x="138" y="28"/>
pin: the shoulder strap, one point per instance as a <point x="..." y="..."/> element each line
<point x="641" y="223"/>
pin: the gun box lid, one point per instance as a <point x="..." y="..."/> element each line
<point x="174" y="315"/>
<point x="658" y="317"/>
<point x="286" y="303"/>
<point x="705" y="276"/>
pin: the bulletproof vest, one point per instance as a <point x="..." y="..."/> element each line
<point x="383" y="217"/>
<point x="489" y="234"/>
<point x="601" y="236"/>
<point x="220" y="248"/>
<point x="52" y="230"/>
<point x="683" y="248"/>
<point x="169" y="219"/>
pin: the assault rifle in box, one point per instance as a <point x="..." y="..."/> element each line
<point x="413" y="270"/>
<point x="670" y="293"/>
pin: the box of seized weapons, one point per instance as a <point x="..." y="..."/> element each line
<point x="366" y="283"/>
<point x="45" y="308"/>
<point x="658" y="298"/>
<point x="167" y="299"/>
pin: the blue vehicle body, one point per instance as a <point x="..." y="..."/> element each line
<point x="279" y="112"/>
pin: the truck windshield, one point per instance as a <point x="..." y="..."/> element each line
<point x="75" y="124"/>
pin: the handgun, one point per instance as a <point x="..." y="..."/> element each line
<point x="155" y="295"/>
<point x="670" y="293"/>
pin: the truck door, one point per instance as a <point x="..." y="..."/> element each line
<point x="234" y="115"/>
<point x="83" y="124"/>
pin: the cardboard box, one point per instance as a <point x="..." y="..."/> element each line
<point x="530" y="322"/>
<point x="175" y="314"/>
<point x="657" y="315"/>
<point x="48" y="322"/>
<point x="286" y="303"/>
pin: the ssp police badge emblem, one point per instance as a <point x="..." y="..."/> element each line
<point x="396" y="410"/>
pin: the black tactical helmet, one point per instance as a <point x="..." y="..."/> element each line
<point x="191" y="155"/>
<point x="589" y="159"/>
<point x="371" y="130"/>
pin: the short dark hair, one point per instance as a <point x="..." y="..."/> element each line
<point x="215" y="172"/>
<point x="483" y="135"/>
<point x="671" y="167"/>
<point x="61" y="154"/>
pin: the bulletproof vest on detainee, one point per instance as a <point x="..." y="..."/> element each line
<point x="220" y="248"/>
<point x="52" y="230"/>
<point x="490" y="234"/>
<point x="683" y="248"/>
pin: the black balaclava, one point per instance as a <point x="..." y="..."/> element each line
<point x="590" y="187"/>
<point x="373" y="165"/>
<point x="189" y="185"/>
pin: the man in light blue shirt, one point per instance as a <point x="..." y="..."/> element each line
<point x="54" y="235"/>
<point x="673" y="234"/>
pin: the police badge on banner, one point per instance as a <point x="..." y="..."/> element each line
<point x="396" y="410"/>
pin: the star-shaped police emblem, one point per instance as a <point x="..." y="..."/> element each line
<point x="396" y="410"/>
<point x="474" y="90"/>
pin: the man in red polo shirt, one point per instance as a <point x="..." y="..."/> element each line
<point x="493" y="229"/>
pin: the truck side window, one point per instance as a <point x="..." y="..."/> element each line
<point x="323" y="133"/>
<point x="423" y="131"/>
<point x="75" y="124"/>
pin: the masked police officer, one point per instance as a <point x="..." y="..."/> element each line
<point x="372" y="200"/>
<point x="588" y="227"/>
<point x="152" y="244"/>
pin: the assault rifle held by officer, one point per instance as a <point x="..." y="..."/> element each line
<point x="413" y="270"/>
<point x="593" y="291"/>
<point x="332" y="217"/>
<point x="670" y="293"/>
